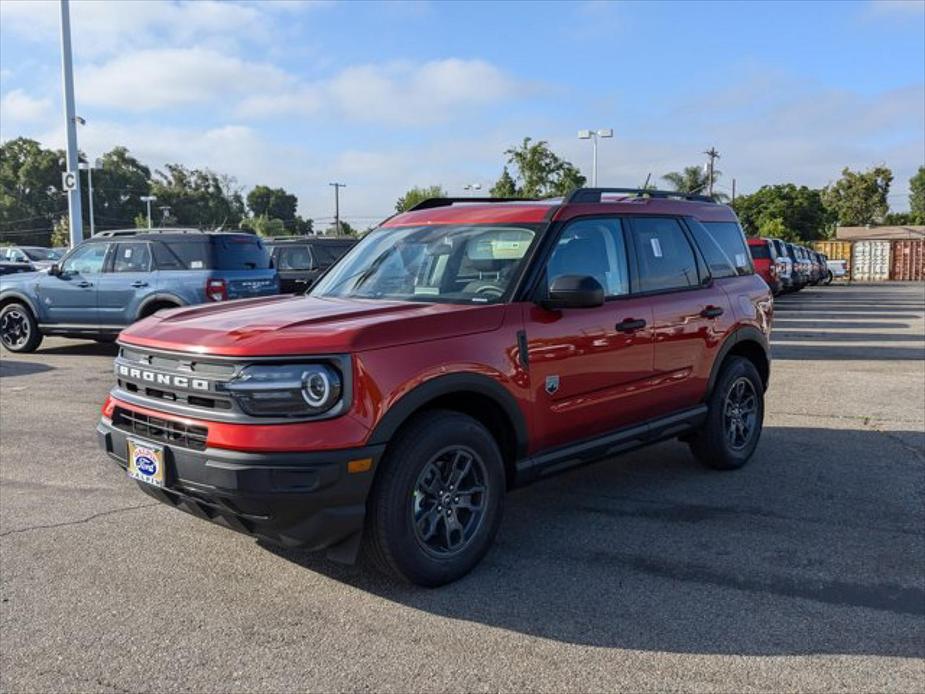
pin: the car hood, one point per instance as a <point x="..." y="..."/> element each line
<point x="287" y="325"/>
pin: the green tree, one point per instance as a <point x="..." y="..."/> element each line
<point x="61" y="233"/>
<point x="345" y="230"/>
<point x="859" y="198"/>
<point x="540" y="171"/>
<point x="899" y="219"/>
<point x="31" y="199"/>
<point x="416" y="195"/>
<point x="505" y="187"/>
<point x="917" y="196"/>
<point x="262" y="225"/>
<point x="800" y="210"/>
<point x="695" y="180"/>
<point x="119" y="182"/>
<point x="272" y="202"/>
<point x="775" y="227"/>
<point x="199" y="197"/>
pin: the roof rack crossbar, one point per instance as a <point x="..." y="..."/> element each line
<point x="430" y="203"/>
<point x="594" y="194"/>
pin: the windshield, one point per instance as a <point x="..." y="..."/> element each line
<point x="445" y="263"/>
<point x="41" y="254"/>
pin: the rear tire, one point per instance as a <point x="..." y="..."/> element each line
<point x="735" y="416"/>
<point x="19" y="332"/>
<point x="437" y="500"/>
<point x="828" y="278"/>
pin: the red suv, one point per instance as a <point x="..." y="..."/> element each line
<point x="764" y="258"/>
<point x="461" y="349"/>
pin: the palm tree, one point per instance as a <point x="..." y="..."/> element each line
<point x="694" y="180"/>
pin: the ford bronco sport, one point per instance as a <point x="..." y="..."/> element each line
<point x="459" y="350"/>
<point x="117" y="277"/>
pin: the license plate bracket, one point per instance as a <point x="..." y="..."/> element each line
<point x="146" y="462"/>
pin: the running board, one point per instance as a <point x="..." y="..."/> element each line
<point x="620" y="441"/>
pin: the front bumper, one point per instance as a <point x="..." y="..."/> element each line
<point x="306" y="500"/>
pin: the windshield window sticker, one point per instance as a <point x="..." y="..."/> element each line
<point x="656" y="247"/>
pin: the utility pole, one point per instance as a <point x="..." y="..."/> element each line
<point x="337" y="187"/>
<point x="148" y="199"/>
<point x="733" y="190"/>
<point x="713" y="154"/>
<point x="70" y="126"/>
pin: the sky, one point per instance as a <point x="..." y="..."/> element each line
<point x="385" y="96"/>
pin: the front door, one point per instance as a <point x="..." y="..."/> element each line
<point x="70" y="298"/>
<point x="587" y="366"/>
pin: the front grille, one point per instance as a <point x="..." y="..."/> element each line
<point x="168" y="431"/>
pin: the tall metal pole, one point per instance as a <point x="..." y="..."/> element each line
<point x="337" y="187"/>
<point x="733" y="190"/>
<point x="149" y="213"/>
<point x="713" y="154"/>
<point x="70" y="123"/>
<point x="594" y="165"/>
<point x="90" y="187"/>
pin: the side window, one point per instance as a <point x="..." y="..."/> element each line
<point x="87" y="259"/>
<point x="592" y="247"/>
<point x="132" y="257"/>
<point x="721" y="265"/>
<point x="729" y="237"/>
<point x="665" y="258"/>
<point x="293" y="258"/>
<point x="165" y="259"/>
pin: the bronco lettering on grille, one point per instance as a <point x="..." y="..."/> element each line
<point x="162" y="379"/>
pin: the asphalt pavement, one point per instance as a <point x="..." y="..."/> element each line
<point x="805" y="571"/>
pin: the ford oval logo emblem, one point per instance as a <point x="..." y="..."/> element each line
<point x="146" y="465"/>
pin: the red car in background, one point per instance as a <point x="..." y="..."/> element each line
<point x="764" y="258"/>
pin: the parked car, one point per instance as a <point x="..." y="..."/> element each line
<point x="784" y="265"/>
<point x="764" y="258"/>
<point x="461" y="349"/>
<point x="41" y="258"/>
<point x="800" y="272"/>
<point x="9" y="268"/>
<point x="301" y="260"/>
<point x="837" y="269"/>
<point x="110" y="281"/>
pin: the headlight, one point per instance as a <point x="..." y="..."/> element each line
<point x="286" y="390"/>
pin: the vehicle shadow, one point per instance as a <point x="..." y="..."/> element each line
<point x="102" y="349"/>
<point x="804" y="551"/>
<point x="9" y="368"/>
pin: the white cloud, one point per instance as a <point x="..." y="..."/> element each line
<point x="19" y="108"/>
<point x="160" y="78"/>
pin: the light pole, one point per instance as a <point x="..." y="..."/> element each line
<point x="148" y="199"/>
<point x="593" y="135"/>
<point x="337" y="187"/>
<point x="70" y="127"/>
<point x="86" y="166"/>
<point x="472" y="188"/>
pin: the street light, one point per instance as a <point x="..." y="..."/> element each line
<point x="593" y="135"/>
<point x="473" y="187"/>
<point x="85" y="166"/>
<point x="148" y="199"/>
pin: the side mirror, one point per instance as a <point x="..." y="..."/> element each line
<point x="574" y="291"/>
<point x="54" y="270"/>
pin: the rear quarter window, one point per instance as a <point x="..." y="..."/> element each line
<point x="729" y="237"/>
<point x="240" y="253"/>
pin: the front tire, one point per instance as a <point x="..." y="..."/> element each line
<point x="437" y="500"/>
<point x="735" y="417"/>
<point x="18" y="330"/>
<point x="829" y="277"/>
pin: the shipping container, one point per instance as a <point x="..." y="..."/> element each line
<point x="870" y="261"/>
<point x="908" y="260"/>
<point x="834" y="250"/>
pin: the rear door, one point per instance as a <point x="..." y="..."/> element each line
<point x="691" y="311"/>
<point x="70" y="298"/>
<point x="588" y="365"/>
<point x="127" y="279"/>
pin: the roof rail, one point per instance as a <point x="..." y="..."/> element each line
<point x="134" y="232"/>
<point x="594" y="194"/>
<point x="306" y="237"/>
<point x="445" y="202"/>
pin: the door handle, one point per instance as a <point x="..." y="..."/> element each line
<point x="629" y="325"/>
<point x="139" y="283"/>
<point x="712" y="312"/>
<point x="84" y="283"/>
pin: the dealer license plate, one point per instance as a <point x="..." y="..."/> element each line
<point x="146" y="462"/>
